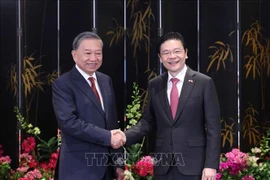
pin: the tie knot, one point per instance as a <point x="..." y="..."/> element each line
<point x="91" y="79"/>
<point x="174" y="81"/>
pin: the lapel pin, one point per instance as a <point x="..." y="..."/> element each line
<point x="190" y="81"/>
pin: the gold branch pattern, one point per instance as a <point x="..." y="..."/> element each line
<point x="227" y="132"/>
<point x="222" y="52"/>
<point x="250" y="127"/>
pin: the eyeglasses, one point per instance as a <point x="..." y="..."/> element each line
<point x="176" y="52"/>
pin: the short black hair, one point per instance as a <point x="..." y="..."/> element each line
<point x="169" y="36"/>
<point x="82" y="36"/>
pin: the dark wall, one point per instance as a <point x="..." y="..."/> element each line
<point x="255" y="89"/>
<point x="265" y="23"/>
<point x="72" y="14"/>
<point x="113" y="61"/>
<point x="216" y="25"/>
<point x="40" y="42"/>
<point x="8" y="122"/>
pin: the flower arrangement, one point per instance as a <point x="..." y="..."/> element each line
<point x="255" y="165"/>
<point x="137" y="167"/>
<point x="37" y="161"/>
<point x="4" y="164"/>
<point x="30" y="167"/>
<point x="143" y="169"/>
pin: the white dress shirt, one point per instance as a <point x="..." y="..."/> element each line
<point x="86" y="77"/>
<point x="181" y="76"/>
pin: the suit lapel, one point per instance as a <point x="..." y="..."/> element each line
<point x="103" y="91"/>
<point x="187" y="87"/>
<point x="163" y="96"/>
<point x="86" y="89"/>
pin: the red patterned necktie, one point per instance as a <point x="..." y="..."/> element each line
<point x="93" y="86"/>
<point x="174" y="97"/>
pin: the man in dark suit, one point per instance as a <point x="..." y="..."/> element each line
<point x="85" y="108"/>
<point x="183" y="109"/>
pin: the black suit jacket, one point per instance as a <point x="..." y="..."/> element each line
<point x="192" y="140"/>
<point x="85" y="127"/>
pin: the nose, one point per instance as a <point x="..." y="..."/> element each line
<point x="172" y="55"/>
<point x="92" y="57"/>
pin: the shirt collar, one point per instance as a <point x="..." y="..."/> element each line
<point x="180" y="75"/>
<point x="85" y="75"/>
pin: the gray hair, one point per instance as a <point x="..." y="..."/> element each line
<point x="82" y="36"/>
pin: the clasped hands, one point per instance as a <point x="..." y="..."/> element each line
<point x="118" y="138"/>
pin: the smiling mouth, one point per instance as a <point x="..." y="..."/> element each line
<point x="91" y="64"/>
<point x="174" y="62"/>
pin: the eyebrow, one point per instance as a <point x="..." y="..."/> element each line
<point x="92" y="50"/>
<point x="173" y="49"/>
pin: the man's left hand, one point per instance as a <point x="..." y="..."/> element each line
<point x="209" y="174"/>
<point x="120" y="173"/>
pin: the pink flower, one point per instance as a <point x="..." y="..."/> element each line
<point x="34" y="174"/>
<point x="236" y="162"/>
<point x="218" y="176"/>
<point x="25" y="159"/>
<point x="28" y="144"/>
<point x="147" y="159"/>
<point x="248" y="178"/>
<point x="223" y="166"/>
<point x="145" y="166"/>
<point x="5" y="159"/>
<point x="22" y="169"/>
<point x="32" y="164"/>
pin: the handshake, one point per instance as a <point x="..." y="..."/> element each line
<point x="118" y="138"/>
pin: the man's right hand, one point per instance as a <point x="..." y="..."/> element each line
<point x="118" y="138"/>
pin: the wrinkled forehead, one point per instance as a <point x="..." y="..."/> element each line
<point x="90" y="44"/>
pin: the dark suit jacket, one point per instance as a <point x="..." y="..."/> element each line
<point x="193" y="138"/>
<point x="84" y="126"/>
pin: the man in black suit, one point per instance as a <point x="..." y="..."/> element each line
<point x="85" y="108"/>
<point x="183" y="108"/>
